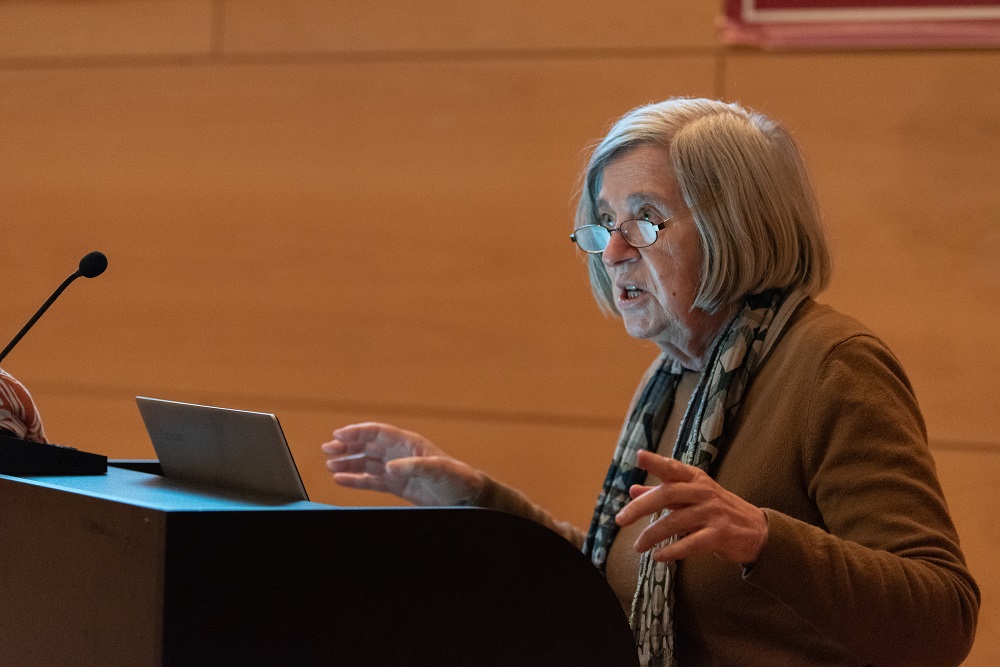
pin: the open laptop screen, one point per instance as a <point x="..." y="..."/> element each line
<point x="232" y="449"/>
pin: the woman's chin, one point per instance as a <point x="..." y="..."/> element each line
<point x="640" y="328"/>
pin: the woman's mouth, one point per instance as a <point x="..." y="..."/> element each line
<point x="630" y="292"/>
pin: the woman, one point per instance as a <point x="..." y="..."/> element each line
<point x="772" y="500"/>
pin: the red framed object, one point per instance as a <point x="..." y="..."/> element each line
<point x="862" y="23"/>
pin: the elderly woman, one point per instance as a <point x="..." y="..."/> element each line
<point x="772" y="499"/>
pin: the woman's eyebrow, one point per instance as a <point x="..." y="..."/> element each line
<point x="633" y="202"/>
<point x="637" y="199"/>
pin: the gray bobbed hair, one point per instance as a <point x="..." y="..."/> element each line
<point x="742" y="176"/>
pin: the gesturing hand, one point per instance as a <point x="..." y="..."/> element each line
<point x="705" y="517"/>
<point x="381" y="457"/>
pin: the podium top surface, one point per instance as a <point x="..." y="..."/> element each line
<point x="167" y="495"/>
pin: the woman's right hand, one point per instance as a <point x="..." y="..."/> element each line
<point x="382" y="457"/>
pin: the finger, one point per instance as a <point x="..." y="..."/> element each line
<point x="375" y="433"/>
<point x="360" y="481"/>
<point x="637" y="490"/>
<point x="352" y="463"/>
<point x="693" y="544"/>
<point x="666" y="468"/>
<point x="677" y="523"/>
<point x="356" y="432"/>
<point x="372" y="464"/>
<point x="664" y="496"/>
<point x="336" y="448"/>
<point x="628" y="515"/>
<point x="340" y="448"/>
<point x="672" y="497"/>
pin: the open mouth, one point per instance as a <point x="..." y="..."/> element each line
<point x="630" y="292"/>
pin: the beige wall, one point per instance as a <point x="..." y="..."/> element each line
<point x="340" y="211"/>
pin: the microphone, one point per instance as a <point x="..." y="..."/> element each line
<point x="92" y="265"/>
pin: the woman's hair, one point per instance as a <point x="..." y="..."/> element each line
<point x="743" y="178"/>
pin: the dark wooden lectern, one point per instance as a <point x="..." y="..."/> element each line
<point x="129" y="568"/>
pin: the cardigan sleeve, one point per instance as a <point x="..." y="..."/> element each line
<point x="497" y="496"/>
<point x="884" y="575"/>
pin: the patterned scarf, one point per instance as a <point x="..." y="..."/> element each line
<point x="733" y="361"/>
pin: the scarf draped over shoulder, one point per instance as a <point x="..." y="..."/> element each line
<point x="736" y="356"/>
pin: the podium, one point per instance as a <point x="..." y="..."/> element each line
<point x="130" y="568"/>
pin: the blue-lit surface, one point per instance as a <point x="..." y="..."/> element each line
<point x="156" y="492"/>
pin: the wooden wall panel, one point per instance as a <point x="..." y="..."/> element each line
<point x="903" y="150"/>
<point x="53" y="30"/>
<point x="276" y="26"/>
<point x="271" y="235"/>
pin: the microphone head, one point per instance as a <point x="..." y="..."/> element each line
<point x="93" y="264"/>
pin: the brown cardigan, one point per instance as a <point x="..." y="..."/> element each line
<point x="862" y="565"/>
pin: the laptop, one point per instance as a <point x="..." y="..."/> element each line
<point x="231" y="449"/>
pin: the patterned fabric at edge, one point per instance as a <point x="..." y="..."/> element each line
<point x="643" y="431"/>
<point x="18" y="414"/>
<point x="738" y="353"/>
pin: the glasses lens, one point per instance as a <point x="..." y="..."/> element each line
<point x="592" y="238"/>
<point x="639" y="233"/>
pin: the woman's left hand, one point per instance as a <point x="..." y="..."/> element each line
<point x="704" y="516"/>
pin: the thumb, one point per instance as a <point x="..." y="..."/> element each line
<point x="427" y="467"/>
<point x="405" y="467"/>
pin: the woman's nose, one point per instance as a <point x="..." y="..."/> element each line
<point x="618" y="250"/>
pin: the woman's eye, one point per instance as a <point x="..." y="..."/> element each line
<point x="606" y="221"/>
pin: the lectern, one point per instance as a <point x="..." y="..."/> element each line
<point x="129" y="568"/>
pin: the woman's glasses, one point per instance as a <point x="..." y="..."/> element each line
<point x="637" y="233"/>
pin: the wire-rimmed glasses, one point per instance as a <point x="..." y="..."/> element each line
<point x="638" y="233"/>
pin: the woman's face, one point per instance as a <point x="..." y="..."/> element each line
<point x="655" y="287"/>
